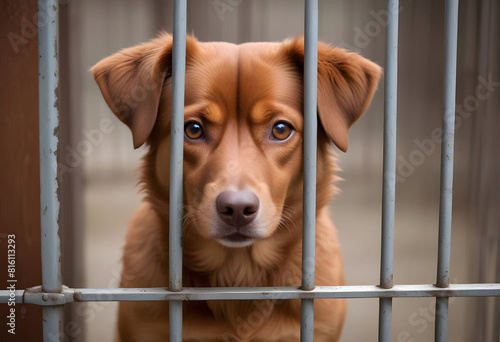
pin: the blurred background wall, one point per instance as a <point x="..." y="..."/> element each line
<point x="102" y="164"/>
<point x="19" y="173"/>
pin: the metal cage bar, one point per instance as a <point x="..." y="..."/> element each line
<point x="70" y="295"/>
<point x="389" y="169"/>
<point x="310" y="155"/>
<point x="52" y="295"/>
<point x="176" y="167"/>
<point x="447" y="149"/>
<point x="48" y="111"/>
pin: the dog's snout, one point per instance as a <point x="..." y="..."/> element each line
<point x="237" y="208"/>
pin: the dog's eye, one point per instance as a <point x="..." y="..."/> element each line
<point x="281" y="131"/>
<point x="193" y="130"/>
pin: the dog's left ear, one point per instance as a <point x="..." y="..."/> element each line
<point x="131" y="82"/>
<point x="346" y="84"/>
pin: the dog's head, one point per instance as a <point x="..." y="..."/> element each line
<point x="243" y="126"/>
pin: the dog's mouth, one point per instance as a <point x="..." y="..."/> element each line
<point x="235" y="240"/>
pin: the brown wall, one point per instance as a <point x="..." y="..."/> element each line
<point x="19" y="162"/>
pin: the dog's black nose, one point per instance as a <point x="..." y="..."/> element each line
<point x="237" y="208"/>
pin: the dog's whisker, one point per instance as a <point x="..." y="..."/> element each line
<point x="286" y="222"/>
<point x="286" y="219"/>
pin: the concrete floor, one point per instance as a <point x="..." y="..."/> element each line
<point x="357" y="214"/>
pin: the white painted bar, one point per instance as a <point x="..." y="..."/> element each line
<point x="48" y="111"/>
<point x="69" y="295"/>
<point x="310" y="156"/>
<point x="176" y="167"/>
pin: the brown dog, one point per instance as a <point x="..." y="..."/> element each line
<point x="242" y="180"/>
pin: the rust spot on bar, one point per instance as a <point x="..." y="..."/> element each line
<point x="56" y="102"/>
<point x="56" y="132"/>
<point x="77" y="296"/>
<point x="308" y="295"/>
<point x="51" y="297"/>
<point x="35" y="289"/>
<point x="175" y="296"/>
<point x="443" y="293"/>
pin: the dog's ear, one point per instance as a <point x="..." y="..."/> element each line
<point x="131" y="82"/>
<point x="346" y="84"/>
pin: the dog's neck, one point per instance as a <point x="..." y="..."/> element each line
<point x="210" y="264"/>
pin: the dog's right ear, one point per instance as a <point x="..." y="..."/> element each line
<point x="131" y="82"/>
<point x="346" y="84"/>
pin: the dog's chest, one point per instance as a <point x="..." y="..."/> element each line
<point x="257" y="320"/>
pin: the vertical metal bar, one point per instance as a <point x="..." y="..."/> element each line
<point x="389" y="168"/>
<point x="389" y="165"/>
<point x="307" y="320"/>
<point x="176" y="161"/>
<point x="48" y="81"/>
<point x="448" y="143"/>
<point x="310" y="155"/>
<point x="447" y="148"/>
<point x="385" y="316"/>
<point x="310" y="143"/>
<point x="440" y="333"/>
<point x="53" y="323"/>
<point x="48" y="106"/>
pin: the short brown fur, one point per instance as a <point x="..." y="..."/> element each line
<point x="236" y="92"/>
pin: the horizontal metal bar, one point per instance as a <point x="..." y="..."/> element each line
<point x="68" y="295"/>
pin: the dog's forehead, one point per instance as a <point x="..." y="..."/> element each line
<point x="211" y="73"/>
<point x="265" y="74"/>
<point x="237" y="77"/>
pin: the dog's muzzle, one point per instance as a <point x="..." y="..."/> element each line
<point x="237" y="209"/>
